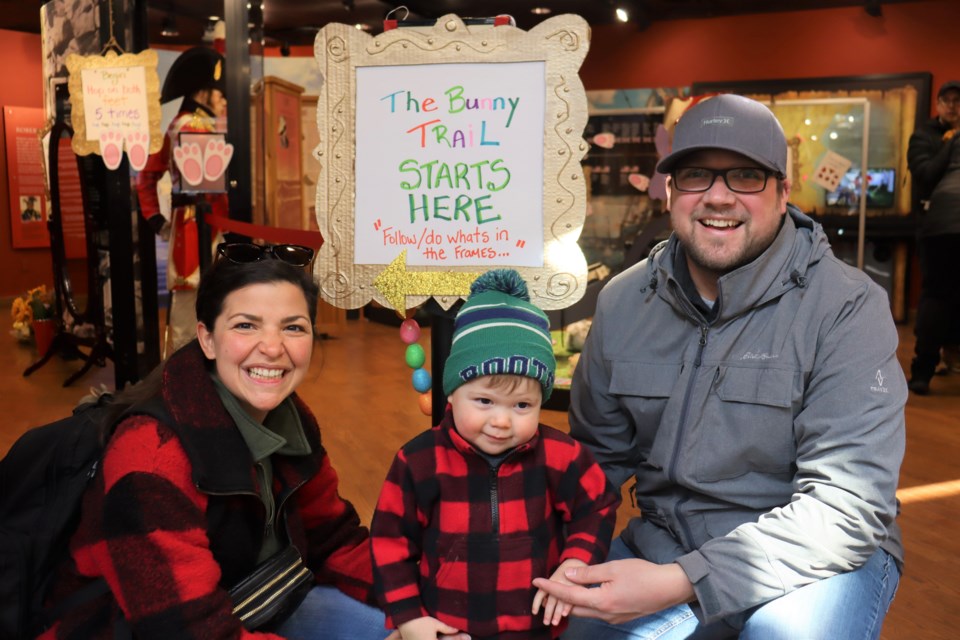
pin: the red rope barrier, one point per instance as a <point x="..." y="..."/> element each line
<point x="276" y="235"/>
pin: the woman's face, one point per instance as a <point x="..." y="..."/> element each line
<point x="261" y="343"/>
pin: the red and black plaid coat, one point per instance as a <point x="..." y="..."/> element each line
<point x="173" y="519"/>
<point x="456" y="539"/>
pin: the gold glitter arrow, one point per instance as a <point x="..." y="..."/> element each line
<point x="396" y="283"/>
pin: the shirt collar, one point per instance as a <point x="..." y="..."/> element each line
<point x="281" y="431"/>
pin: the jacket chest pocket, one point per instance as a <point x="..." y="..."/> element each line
<point x="747" y="423"/>
<point x="644" y="390"/>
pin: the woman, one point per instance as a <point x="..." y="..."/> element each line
<point x="177" y="514"/>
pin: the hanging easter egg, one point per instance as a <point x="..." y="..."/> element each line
<point x="415" y="356"/>
<point x="409" y="331"/>
<point x="421" y="380"/>
<point x="426" y="403"/>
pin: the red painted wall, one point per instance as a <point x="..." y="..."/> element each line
<point x="909" y="37"/>
<point x="22" y="86"/>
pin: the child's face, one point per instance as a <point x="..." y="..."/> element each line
<point x="496" y="418"/>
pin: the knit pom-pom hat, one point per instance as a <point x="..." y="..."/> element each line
<point x="499" y="331"/>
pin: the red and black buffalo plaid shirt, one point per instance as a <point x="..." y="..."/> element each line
<point x="460" y="540"/>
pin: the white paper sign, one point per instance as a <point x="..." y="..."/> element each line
<point x="830" y="170"/>
<point x="115" y="99"/>
<point x="449" y="164"/>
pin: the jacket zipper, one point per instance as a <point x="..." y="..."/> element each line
<point x="494" y="502"/>
<point x="684" y="411"/>
<point x="278" y="508"/>
<point x="495" y="495"/>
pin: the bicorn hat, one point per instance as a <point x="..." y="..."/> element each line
<point x="195" y="69"/>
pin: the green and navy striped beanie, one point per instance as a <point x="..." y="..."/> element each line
<point x="499" y="331"/>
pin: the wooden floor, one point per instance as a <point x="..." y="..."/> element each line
<point x="359" y="387"/>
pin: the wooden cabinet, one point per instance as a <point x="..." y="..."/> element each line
<point x="277" y="155"/>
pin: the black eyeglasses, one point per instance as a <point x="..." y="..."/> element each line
<point x="244" y="252"/>
<point x="737" y="179"/>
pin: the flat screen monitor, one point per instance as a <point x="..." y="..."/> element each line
<point x="881" y="186"/>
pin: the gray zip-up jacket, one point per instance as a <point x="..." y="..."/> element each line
<point x="766" y="443"/>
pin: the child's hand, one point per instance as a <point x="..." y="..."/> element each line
<point x="428" y="628"/>
<point x="555" y="610"/>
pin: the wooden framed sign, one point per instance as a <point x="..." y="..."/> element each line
<point x="446" y="151"/>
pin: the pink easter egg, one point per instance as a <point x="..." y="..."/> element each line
<point x="409" y="331"/>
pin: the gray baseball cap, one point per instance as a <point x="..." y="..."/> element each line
<point x="733" y="123"/>
<point x="950" y="85"/>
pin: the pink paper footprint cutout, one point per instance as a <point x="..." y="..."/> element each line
<point x="216" y="157"/>
<point x="639" y="181"/>
<point x="137" y="144"/>
<point x="605" y="140"/>
<point x="111" y="148"/>
<point x="188" y="158"/>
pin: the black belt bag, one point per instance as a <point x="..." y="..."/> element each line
<point x="273" y="591"/>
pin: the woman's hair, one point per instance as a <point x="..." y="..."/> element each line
<point x="224" y="277"/>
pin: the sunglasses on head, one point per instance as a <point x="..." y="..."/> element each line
<point x="245" y="252"/>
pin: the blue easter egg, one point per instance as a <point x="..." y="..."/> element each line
<point x="421" y="380"/>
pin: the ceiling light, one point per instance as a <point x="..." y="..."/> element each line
<point x="622" y="14"/>
<point x="361" y="26"/>
<point x="540" y="11"/>
<point x="169" y="28"/>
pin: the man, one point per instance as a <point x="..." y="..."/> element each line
<point x="934" y="160"/>
<point x="198" y="76"/>
<point x="747" y="379"/>
<point x="30" y="212"/>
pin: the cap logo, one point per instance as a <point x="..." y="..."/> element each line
<point x="723" y="121"/>
<point x="217" y="71"/>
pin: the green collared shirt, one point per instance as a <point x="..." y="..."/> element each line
<point x="281" y="432"/>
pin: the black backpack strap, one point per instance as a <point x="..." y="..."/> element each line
<point x="153" y="407"/>
<point x="81" y="596"/>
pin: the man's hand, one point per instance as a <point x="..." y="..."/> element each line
<point x="428" y="628"/>
<point x="554" y="609"/>
<point x="627" y="589"/>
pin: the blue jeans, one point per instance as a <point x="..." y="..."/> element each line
<point x="849" y="606"/>
<point x="329" y="614"/>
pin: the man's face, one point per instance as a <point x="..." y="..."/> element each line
<point x="218" y="103"/>
<point x="948" y="108"/>
<point x="720" y="229"/>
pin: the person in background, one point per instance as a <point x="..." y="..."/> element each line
<point x="30" y="212"/>
<point x="475" y="508"/>
<point x="226" y="472"/>
<point x="198" y="76"/>
<point x="934" y="160"/>
<point x="747" y="380"/>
